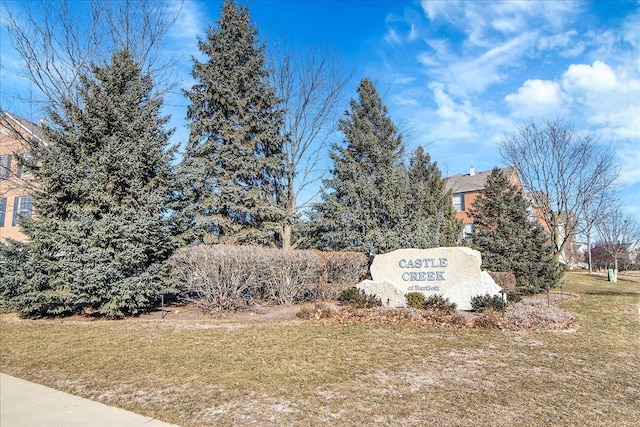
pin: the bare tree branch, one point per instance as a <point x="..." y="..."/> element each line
<point x="593" y="210"/>
<point x="310" y="86"/>
<point x="58" y="43"/>
<point x="617" y="233"/>
<point x="562" y="171"/>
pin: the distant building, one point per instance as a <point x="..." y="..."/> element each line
<point x="16" y="183"/>
<point x="466" y="187"/>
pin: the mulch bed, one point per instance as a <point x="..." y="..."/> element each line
<point x="532" y="313"/>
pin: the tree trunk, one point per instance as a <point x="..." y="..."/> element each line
<point x="287" y="226"/>
<point x="589" y="253"/>
<point x="286" y="236"/>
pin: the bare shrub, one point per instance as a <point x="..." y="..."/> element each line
<point x="506" y="280"/>
<point x="215" y="277"/>
<point x="342" y="270"/>
<point x="529" y="315"/>
<point x="458" y="321"/>
<point x="319" y="311"/>
<point x="229" y="277"/>
<point x="488" y="319"/>
<point x="291" y="276"/>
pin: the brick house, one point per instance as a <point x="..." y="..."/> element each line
<point x="466" y="187"/>
<point x="16" y="184"/>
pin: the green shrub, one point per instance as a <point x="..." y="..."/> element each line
<point x="358" y="298"/>
<point x="483" y="302"/>
<point x="415" y="299"/>
<point x="440" y="304"/>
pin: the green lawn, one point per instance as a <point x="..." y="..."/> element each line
<point x="228" y="373"/>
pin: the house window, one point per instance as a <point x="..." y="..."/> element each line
<point x="458" y="202"/>
<point x="5" y="166"/>
<point x="21" y="207"/>
<point x="23" y="171"/>
<point x="533" y="218"/>
<point x="469" y="230"/>
<point x="467" y="233"/>
<point x="3" y="209"/>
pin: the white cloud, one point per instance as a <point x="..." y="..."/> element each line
<point x="598" y="77"/>
<point x="499" y="37"/>
<point x="536" y="98"/>
<point x="401" y="29"/>
<point x="403" y="80"/>
<point x="455" y="119"/>
<point x="505" y="25"/>
<point x="485" y="23"/>
<point x="479" y="73"/>
<point x="609" y="100"/>
<point x="465" y="74"/>
<point x="629" y="158"/>
<point x="447" y="109"/>
<point x="188" y="25"/>
<point x="405" y="99"/>
<point x="448" y="10"/>
<point x="565" y="44"/>
<point x="631" y="30"/>
<point x="392" y="37"/>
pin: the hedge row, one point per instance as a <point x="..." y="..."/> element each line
<point x="228" y="277"/>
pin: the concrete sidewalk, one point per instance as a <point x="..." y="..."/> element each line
<point x="25" y="404"/>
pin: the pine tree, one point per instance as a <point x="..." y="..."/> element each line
<point x="431" y="213"/>
<point x="100" y="235"/>
<point x="363" y="203"/>
<point x="508" y="240"/>
<point x="233" y="166"/>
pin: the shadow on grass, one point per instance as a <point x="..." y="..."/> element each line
<point x="613" y="292"/>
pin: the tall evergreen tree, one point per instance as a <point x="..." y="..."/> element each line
<point x="508" y="240"/>
<point x="100" y="235"/>
<point x="233" y="165"/>
<point x="431" y="214"/>
<point x="363" y="204"/>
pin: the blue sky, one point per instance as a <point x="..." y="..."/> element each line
<point x="457" y="76"/>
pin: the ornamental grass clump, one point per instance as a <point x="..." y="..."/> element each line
<point x="489" y="319"/>
<point x="358" y="298"/>
<point x="439" y="304"/>
<point x="414" y="299"/>
<point x="480" y="303"/>
<point x="319" y="311"/>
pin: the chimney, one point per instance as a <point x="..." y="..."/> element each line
<point x="472" y="171"/>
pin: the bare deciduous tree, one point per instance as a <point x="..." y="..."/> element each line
<point x="58" y="40"/>
<point x="562" y="170"/>
<point x="593" y="210"/>
<point x="310" y="86"/>
<point x="617" y="233"/>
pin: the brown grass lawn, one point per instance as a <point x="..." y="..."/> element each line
<point x="273" y="372"/>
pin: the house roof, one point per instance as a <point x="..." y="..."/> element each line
<point x="18" y="123"/>
<point x="474" y="181"/>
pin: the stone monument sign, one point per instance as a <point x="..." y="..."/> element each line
<point x="452" y="272"/>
